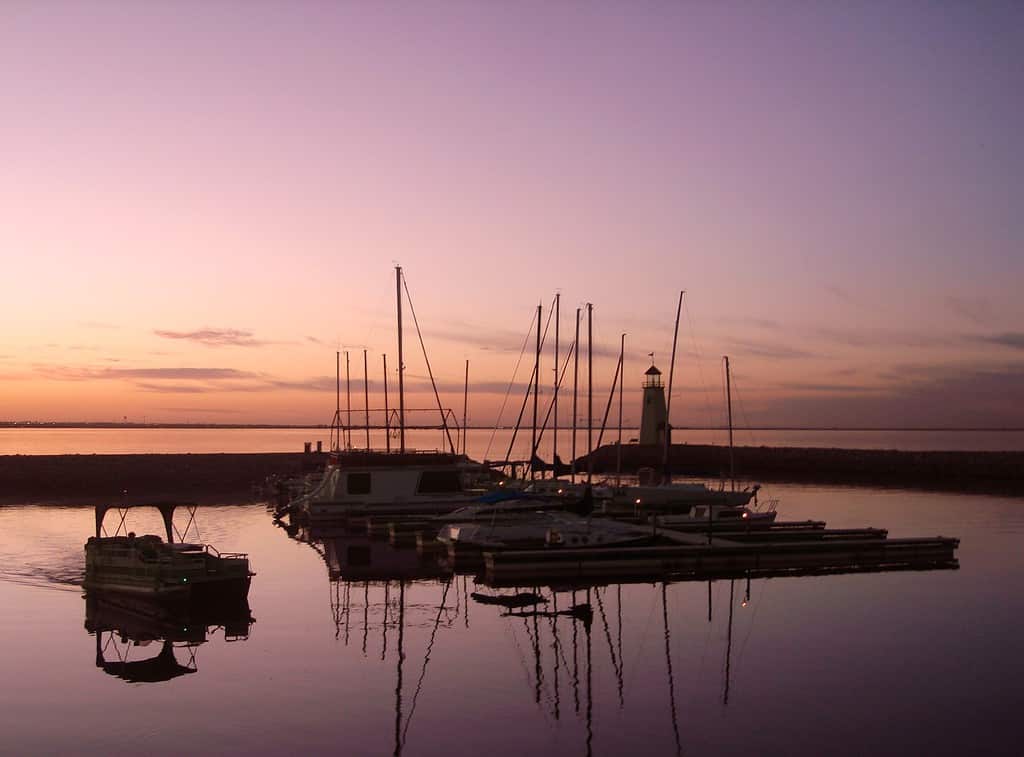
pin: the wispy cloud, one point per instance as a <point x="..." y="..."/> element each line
<point x="767" y="349"/>
<point x="313" y="384"/>
<point x="491" y="340"/>
<point x="67" y="373"/>
<point x="212" y="410"/>
<point x="214" y="337"/>
<point x="761" y="323"/>
<point x="163" y="388"/>
<point x="977" y="310"/>
<point x="798" y="386"/>
<point x="840" y="293"/>
<point x="1014" y="339"/>
<point x="878" y="337"/>
<point x="936" y="395"/>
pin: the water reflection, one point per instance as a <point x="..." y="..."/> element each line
<point x="566" y="625"/>
<point x="127" y="629"/>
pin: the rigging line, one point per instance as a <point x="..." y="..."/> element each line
<point x="508" y="391"/>
<point x="426" y="359"/>
<point x="611" y="647"/>
<point x="426" y="660"/>
<point x="611" y="396"/>
<point x="743" y="411"/>
<point x="618" y="612"/>
<point x="725" y="400"/>
<point x="551" y="404"/>
<point x="700" y="360"/>
<point x="366" y="614"/>
<point x="539" y="685"/>
<point x="536" y="378"/>
<point x="554" y="635"/>
<point x="522" y="409"/>
<point x="510" y="631"/>
<point x="668" y="660"/>
<point x="643" y="638"/>
<point x="519" y="420"/>
<point x="535" y="375"/>
<point x="750" y="628"/>
<point x="575" y="661"/>
<point x="700" y="666"/>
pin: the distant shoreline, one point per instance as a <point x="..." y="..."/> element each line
<point x="326" y="426"/>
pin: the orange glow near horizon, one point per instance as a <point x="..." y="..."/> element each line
<point x="193" y="226"/>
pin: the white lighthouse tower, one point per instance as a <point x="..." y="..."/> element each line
<point x="653" y="420"/>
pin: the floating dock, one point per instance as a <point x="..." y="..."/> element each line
<point x="721" y="558"/>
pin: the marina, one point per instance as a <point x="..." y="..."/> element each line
<point x="329" y="607"/>
<point x="511" y="379"/>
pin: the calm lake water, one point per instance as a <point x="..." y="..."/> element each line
<point x="886" y="663"/>
<point x="480" y="443"/>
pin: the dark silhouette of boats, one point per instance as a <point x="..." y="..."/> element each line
<point x="150" y="566"/>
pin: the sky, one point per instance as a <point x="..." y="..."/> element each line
<point x="201" y="202"/>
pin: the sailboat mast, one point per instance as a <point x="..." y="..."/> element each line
<point x="337" y="403"/>
<point x="554" y="452"/>
<point x="401" y="659"/>
<point x="348" y="402"/>
<point x="366" y="397"/>
<point x="401" y="362"/>
<point x="671" y="375"/>
<point x="465" y="408"/>
<point x="387" y="412"/>
<point x="590" y="390"/>
<point x="618" y="446"/>
<point x="536" y="391"/>
<point x="575" y="383"/>
<point x="728" y="404"/>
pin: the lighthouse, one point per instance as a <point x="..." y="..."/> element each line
<point x="652" y="422"/>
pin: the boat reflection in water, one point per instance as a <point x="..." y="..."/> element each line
<point x="128" y="629"/>
<point x="173" y="594"/>
<point x="573" y="630"/>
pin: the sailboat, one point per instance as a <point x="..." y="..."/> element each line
<point x="362" y="483"/>
<point x="660" y="493"/>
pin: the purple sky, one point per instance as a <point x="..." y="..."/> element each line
<point x="836" y="186"/>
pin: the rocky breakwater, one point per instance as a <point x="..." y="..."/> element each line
<point x="988" y="472"/>
<point x="88" y="479"/>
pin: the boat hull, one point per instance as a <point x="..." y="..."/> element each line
<point x="148" y="567"/>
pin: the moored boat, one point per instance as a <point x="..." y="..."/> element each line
<point x="369" y="483"/>
<point x="150" y="566"/>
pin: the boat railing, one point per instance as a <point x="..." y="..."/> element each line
<point x="212" y="550"/>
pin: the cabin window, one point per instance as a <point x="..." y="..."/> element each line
<point x="358" y="483"/>
<point x="439" y="482"/>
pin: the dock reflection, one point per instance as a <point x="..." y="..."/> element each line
<point x="128" y="629"/>
<point x="575" y="652"/>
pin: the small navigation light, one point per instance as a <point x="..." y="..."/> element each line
<point x="638" y="500"/>
<point x="743" y="603"/>
<point x="746" y="515"/>
<point x="561" y="491"/>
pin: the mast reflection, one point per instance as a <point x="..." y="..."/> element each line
<point x="574" y="630"/>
